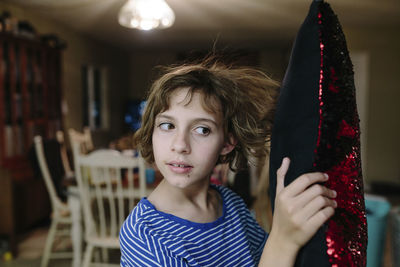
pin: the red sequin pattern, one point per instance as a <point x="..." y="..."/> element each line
<point x="338" y="146"/>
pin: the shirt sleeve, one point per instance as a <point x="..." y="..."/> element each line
<point x="257" y="237"/>
<point x="134" y="250"/>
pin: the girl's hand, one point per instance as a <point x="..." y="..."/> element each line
<point x="301" y="208"/>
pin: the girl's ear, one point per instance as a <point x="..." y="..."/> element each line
<point x="229" y="145"/>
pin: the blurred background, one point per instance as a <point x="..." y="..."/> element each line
<point x="101" y="71"/>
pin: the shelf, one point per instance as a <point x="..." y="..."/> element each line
<point x="30" y="94"/>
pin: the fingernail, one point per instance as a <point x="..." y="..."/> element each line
<point x="334" y="193"/>
<point x="326" y="175"/>
<point x="335" y="203"/>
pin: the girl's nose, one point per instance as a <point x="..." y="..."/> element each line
<point x="180" y="143"/>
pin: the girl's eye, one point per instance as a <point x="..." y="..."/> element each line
<point x="203" y="130"/>
<point x="166" y="126"/>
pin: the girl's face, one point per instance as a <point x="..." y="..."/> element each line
<point x="187" y="140"/>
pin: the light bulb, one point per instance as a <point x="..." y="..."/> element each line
<point x="146" y="14"/>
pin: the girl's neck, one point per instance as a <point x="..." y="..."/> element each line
<point x="199" y="203"/>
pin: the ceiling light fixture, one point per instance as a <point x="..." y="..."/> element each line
<point x="146" y="14"/>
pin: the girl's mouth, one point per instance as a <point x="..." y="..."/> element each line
<point x="180" y="167"/>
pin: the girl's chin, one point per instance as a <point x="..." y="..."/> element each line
<point x="183" y="181"/>
<point x="179" y="183"/>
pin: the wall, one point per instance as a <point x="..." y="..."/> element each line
<point x="383" y="130"/>
<point x="143" y="72"/>
<point x="143" y="66"/>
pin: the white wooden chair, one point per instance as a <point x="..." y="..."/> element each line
<point x="83" y="138"/>
<point x="61" y="219"/>
<point x="106" y="181"/>
<point x="69" y="173"/>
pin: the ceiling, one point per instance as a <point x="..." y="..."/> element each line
<point x="202" y="22"/>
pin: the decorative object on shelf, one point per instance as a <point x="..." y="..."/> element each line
<point x="146" y="14"/>
<point x="25" y="29"/>
<point x="7" y="23"/>
<point x="14" y="26"/>
<point x="53" y="41"/>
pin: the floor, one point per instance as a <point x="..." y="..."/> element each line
<point x="31" y="249"/>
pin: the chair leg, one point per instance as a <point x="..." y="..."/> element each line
<point x="88" y="255"/>
<point x="49" y="244"/>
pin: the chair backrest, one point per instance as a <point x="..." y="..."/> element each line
<point x="69" y="173"/>
<point x="109" y="184"/>
<point x="83" y="138"/>
<point x="40" y="155"/>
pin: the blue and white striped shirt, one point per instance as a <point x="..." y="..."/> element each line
<point x="153" y="238"/>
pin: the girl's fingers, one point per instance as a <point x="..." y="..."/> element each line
<point x="280" y="175"/>
<point x="304" y="181"/>
<point x="314" y="207"/>
<point x="312" y="192"/>
<point x="318" y="219"/>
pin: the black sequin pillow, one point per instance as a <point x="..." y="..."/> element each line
<point x="316" y="125"/>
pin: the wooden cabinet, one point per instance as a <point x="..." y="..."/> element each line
<point x="30" y="104"/>
<point x="30" y="95"/>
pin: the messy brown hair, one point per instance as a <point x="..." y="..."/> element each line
<point x="246" y="97"/>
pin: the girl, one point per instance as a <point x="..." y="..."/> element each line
<point x="198" y="116"/>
